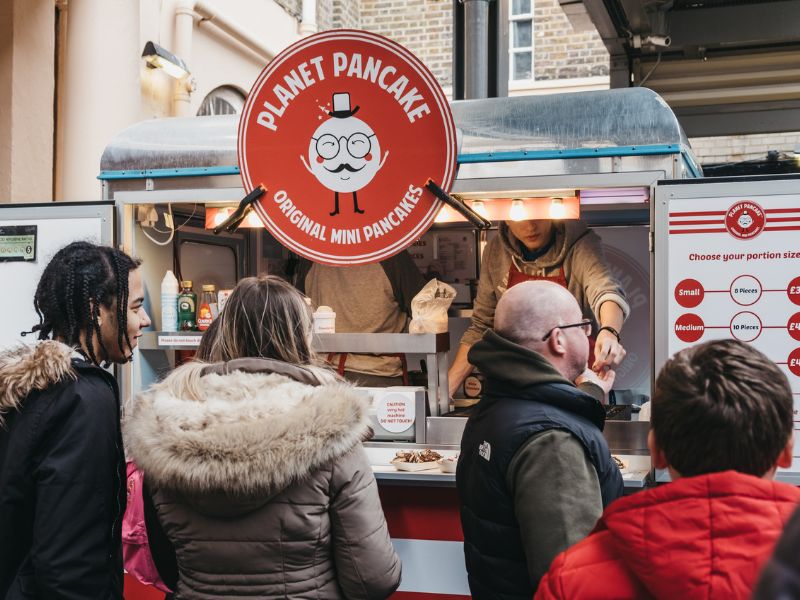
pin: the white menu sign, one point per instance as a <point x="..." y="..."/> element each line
<point x="734" y="272"/>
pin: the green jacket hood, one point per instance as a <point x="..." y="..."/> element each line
<point x="499" y="358"/>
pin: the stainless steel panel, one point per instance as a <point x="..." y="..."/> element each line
<point x="382" y="343"/>
<point x="621" y="117"/>
<point x="623" y="437"/>
<point x="627" y="437"/>
<point x="444" y="431"/>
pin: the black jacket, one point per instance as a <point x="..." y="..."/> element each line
<point x="523" y="396"/>
<point x="62" y="477"/>
<point x="780" y="578"/>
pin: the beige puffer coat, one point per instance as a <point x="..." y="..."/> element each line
<point x="261" y="484"/>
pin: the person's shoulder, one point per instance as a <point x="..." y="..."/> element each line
<point x="579" y="570"/>
<point x="92" y="393"/>
<point x="495" y="252"/>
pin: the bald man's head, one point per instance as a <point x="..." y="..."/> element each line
<point x="527" y="311"/>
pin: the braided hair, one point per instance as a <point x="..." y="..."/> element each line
<point x="78" y="279"/>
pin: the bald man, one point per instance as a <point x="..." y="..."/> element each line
<point x="534" y="472"/>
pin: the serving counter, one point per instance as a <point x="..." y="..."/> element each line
<point x="421" y="507"/>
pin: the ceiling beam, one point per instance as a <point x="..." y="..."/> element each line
<point x="736" y="26"/>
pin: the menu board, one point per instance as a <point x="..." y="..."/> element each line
<point x="734" y="272"/>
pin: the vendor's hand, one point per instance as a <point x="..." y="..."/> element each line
<point x="604" y="380"/>
<point x="608" y="352"/>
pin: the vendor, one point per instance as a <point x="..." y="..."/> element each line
<point x="373" y="298"/>
<point x="565" y="252"/>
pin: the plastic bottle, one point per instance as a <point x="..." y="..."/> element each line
<point x="207" y="311"/>
<point x="187" y="307"/>
<point x="169" y="302"/>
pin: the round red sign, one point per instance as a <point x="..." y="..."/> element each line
<point x="343" y="129"/>
<point x="745" y="220"/>
<point x="689" y="293"/>
<point x="689" y="327"/>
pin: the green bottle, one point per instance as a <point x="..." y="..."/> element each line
<point x="187" y="307"/>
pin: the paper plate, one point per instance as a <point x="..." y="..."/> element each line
<point x="406" y="466"/>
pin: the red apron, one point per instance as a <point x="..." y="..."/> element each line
<point x="343" y="360"/>
<point x="516" y="276"/>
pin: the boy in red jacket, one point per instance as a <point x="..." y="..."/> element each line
<point x="721" y="424"/>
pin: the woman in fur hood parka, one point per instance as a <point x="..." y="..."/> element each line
<point x="254" y="465"/>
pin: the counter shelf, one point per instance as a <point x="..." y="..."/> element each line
<point x="433" y="346"/>
<point x="635" y="476"/>
<point x="170" y="340"/>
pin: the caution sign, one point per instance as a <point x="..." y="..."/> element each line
<point x="343" y="129"/>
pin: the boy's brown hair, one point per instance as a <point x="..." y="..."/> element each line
<point x="722" y="405"/>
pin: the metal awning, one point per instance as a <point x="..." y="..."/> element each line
<point x="613" y="123"/>
<point x="725" y="66"/>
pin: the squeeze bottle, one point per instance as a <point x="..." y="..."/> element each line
<point x="169" y="302"/>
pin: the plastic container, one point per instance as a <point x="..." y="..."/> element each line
<point x="169" y="302"/>
<point x="324" y="320"/>
<point x="187" y="307"/>
<point x="207" y="310"/>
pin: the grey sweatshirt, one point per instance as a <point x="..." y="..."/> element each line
<point x="577" y="248"/>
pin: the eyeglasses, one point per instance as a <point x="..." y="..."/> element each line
<point x="586" y="324"/>
<point x="358" y="145"/>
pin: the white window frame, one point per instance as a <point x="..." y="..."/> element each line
<point x="513" y="50"/>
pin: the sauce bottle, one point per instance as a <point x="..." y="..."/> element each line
<point x="207" y="311"/>
<point x="169" y="302"/>
<point x="187" y="306"/>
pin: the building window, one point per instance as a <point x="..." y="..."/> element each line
<point x="521" y="40"/>
<point x="224" y="100"/>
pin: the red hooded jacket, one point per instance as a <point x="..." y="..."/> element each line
<point x="698" y="537"/>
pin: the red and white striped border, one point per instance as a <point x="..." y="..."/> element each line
<point x="713" y="221"/>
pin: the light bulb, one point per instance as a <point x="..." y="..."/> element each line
<point x="443" y="215"/>
<point x="219" y="218"/>
<point x="479" y="207"/>
<point x="517" y="211"/>
<point x="557" y="209"/>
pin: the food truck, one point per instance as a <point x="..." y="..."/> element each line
<point x="699" y="259"/>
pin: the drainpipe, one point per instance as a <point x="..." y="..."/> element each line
<point x="476" y="48"/>
<point x="185" y="13"/>
<point x="309" y="15"/>
<point x="182" y="48"/>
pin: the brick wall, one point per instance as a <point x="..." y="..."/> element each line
<point x="331" y="14"/>
<point x="346" y="14"/>
<point x="423" y="26"/>
<point x="710" y="150"/>
<point x="561" y="53"/>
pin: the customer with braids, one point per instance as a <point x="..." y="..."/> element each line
<point x="62" y="468"/>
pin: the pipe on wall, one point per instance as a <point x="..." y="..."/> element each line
<point x="476" y="48"/>
<point x="308" y="24"/>
<point x="185" y="13"/>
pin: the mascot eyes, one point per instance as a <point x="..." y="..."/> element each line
<point x="358" y="145"/>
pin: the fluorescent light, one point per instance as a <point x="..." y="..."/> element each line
<point x="157" y="57"/>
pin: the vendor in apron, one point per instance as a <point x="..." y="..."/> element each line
<point x="373" y="298"/>
<point x="565" y="252"/>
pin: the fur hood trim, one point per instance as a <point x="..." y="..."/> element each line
<point x="241" y="433"/>
<point x="26" y="368"/>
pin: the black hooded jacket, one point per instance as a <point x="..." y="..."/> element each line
<point x="62" y="477"/>
<point x="524" y="396"/>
